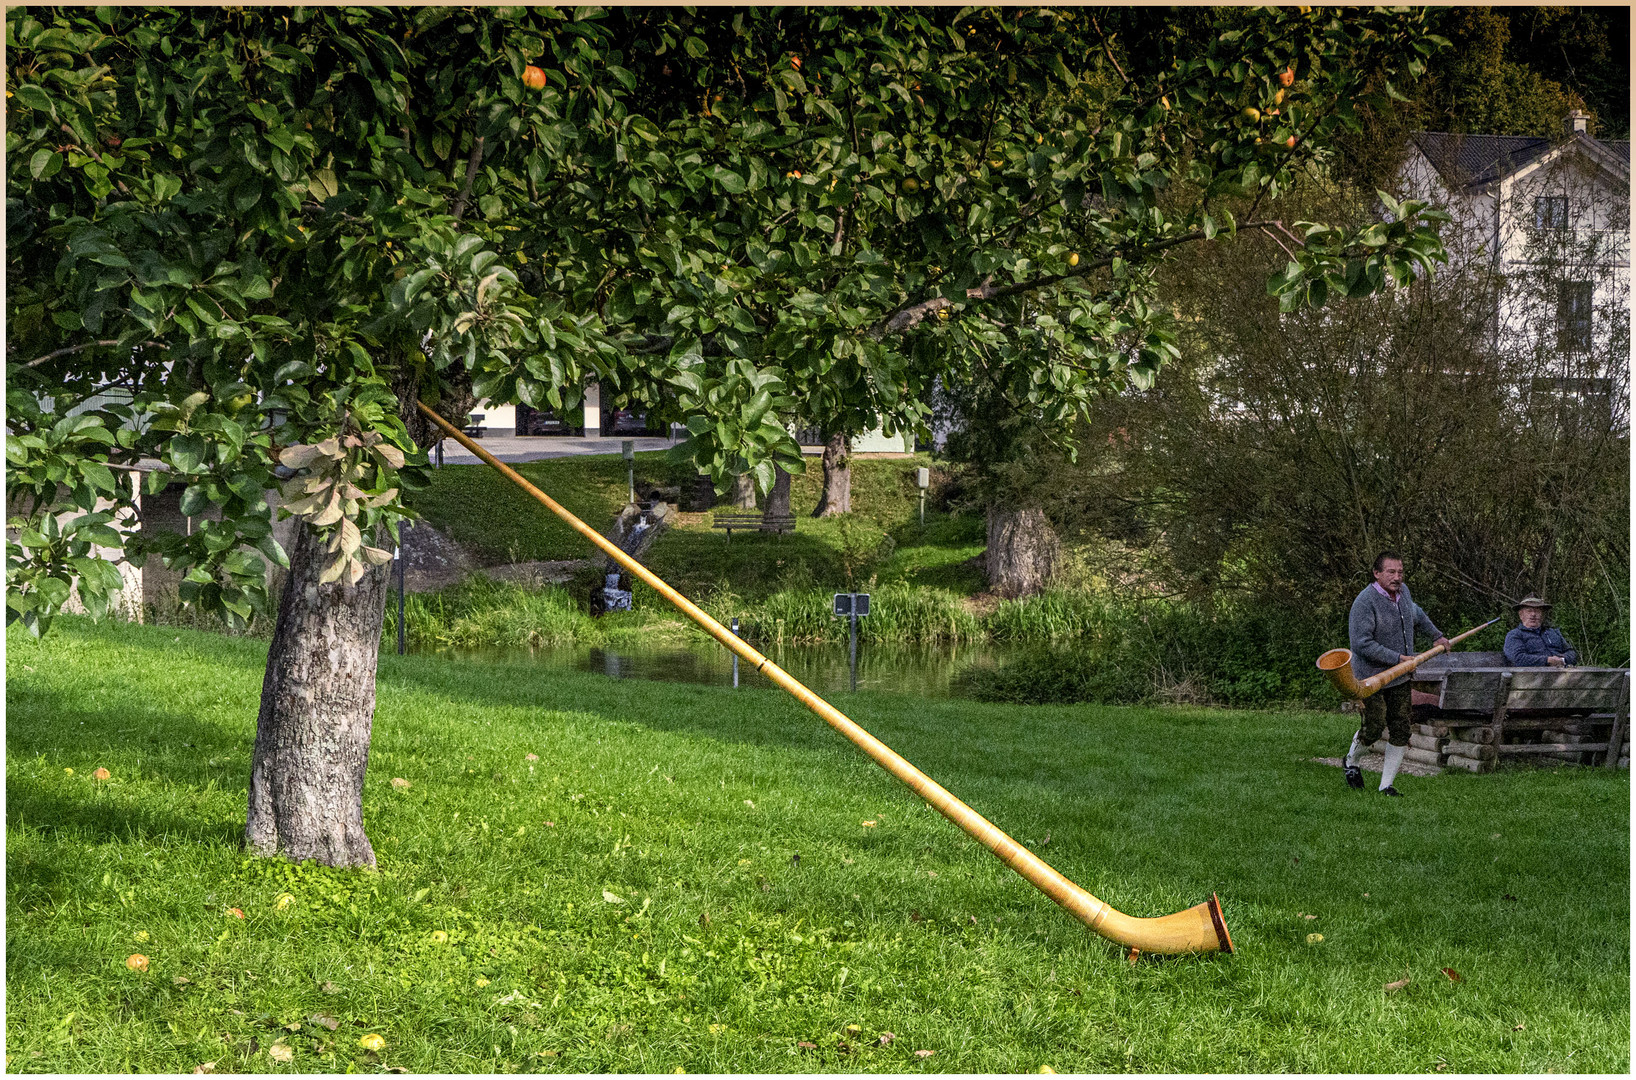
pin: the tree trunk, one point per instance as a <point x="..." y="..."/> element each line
<point x="317" y="708"/>
<point x="836" y="497"/>
<point x="1022" y="551"/>
<point x="778" y="499"/>
<point x="744" y="492"/>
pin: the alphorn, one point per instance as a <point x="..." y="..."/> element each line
<point x="1200" y="928"/>
<point x="1337" y="664"/>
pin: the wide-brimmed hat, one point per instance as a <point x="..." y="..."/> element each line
<point x="1531" y="601"/>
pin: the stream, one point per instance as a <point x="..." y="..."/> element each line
<point x="922" y="670"/>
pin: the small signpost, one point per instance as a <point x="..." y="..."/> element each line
<point x="735" y="655"/>
<point x="923" y="480"/>
<point x="853" y="606"/>
<point x="627" y="449"/>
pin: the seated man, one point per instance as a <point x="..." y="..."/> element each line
<point x="1533" y="644"/>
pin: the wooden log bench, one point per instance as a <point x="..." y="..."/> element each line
<point x="760" y="522"/>
<point x="1481" y="711"/>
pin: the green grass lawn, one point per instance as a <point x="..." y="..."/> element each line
<point x="632" y="901"/>
<point x="883" y="537"/>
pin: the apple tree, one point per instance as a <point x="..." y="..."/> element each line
<point x="242" y="244"/>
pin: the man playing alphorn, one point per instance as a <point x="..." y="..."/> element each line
<point x="1381" y="627"/>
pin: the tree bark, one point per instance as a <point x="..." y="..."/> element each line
<point x="317" y="709"/>
<point x="1022" y="551"/>
<point x="836" y="497"/>
<point x="744" y="492"/>
<point x="778" y="499"/>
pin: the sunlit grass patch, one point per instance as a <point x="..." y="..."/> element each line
<point x="582" y="875"/>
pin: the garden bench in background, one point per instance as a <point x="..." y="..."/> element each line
<point x="773" y="523"/>
<point x="1471" y="709"/>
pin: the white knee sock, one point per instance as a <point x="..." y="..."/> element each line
<point x="1394" y="758"/>
<point x="1355" y="751"/>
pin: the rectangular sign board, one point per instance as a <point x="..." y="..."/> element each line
<point x="845" y="603"/>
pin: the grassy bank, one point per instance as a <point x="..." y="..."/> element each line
<point x="632" y="900"/>
<point x="497" y="522"/>
<point x="1082" y="648"/>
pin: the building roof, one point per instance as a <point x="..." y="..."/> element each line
<point x="1472" y="160"/>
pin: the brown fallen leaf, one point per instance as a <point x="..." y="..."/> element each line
<point x="293" y="1026"/>
<point x="886" y="1038"/>
<point x="807" y="1045"/>
<point x="281" y="1051"/>
<point x="1518" y="1026"/>
<point x="1394" y="987"/>
<point x="330" y="988"/>
<point x="1309" y="916"/>
<point x="1454" y="976"/>
<point x="924" y="1053"/>
<point x="325" y="1020"/>
<point x="531" y="757"/>
<point x="180" y="980"/>
<point x="399" y="782"/>
<point x="204" y="1067"/>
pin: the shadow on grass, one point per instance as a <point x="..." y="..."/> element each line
<point x="174" y="750"/>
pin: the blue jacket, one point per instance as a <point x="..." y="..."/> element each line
<point x="1532" y="648"/>
<point x="1381" y="629"/>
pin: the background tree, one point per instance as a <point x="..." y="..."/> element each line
<point x="246" y="242"/>
<point x="1287" y="90"/>
<point x="1285" y="449"/>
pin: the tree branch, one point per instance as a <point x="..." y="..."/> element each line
<point x="910" y="315"/>
<point x="38" y="360"/>
<point x="1108" y="51"/>
<point x="472" y="164"/>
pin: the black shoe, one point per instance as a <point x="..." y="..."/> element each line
<point x="1391" y="791"/>
<point x="1354" y="776"/>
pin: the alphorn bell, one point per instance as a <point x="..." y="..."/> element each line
<point x="1337" y="664"/>
<point x="1200" y="928"/>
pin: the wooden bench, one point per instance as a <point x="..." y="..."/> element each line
<point x="773" y="523"/>
<point x="1479" y="693"/>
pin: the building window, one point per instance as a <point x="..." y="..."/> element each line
<point x="1551" y="212"/>
<point x="1573" y="316"/>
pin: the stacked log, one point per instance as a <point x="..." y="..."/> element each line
<point x="1423" y="749"/>
<point x="1471" y="749"/>
<point x="1566" y="737"/>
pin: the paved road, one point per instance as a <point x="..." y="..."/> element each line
<point x="539" y="447"/>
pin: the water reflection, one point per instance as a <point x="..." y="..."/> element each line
<point x="912" y="669"/>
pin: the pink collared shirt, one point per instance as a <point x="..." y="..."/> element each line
<point x="1383" y="592"/>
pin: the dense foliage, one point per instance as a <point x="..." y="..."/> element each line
<point x="235" y="234"/>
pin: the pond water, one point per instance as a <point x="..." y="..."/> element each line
<point x="922" y="670"/>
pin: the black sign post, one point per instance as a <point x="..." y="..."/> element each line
<point x="852" y="606"/>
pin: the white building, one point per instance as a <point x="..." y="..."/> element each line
<point x="593" y="422"/>
<point x="1551" y="219"/>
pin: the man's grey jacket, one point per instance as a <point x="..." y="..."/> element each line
<point x="1381" y="630"/>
